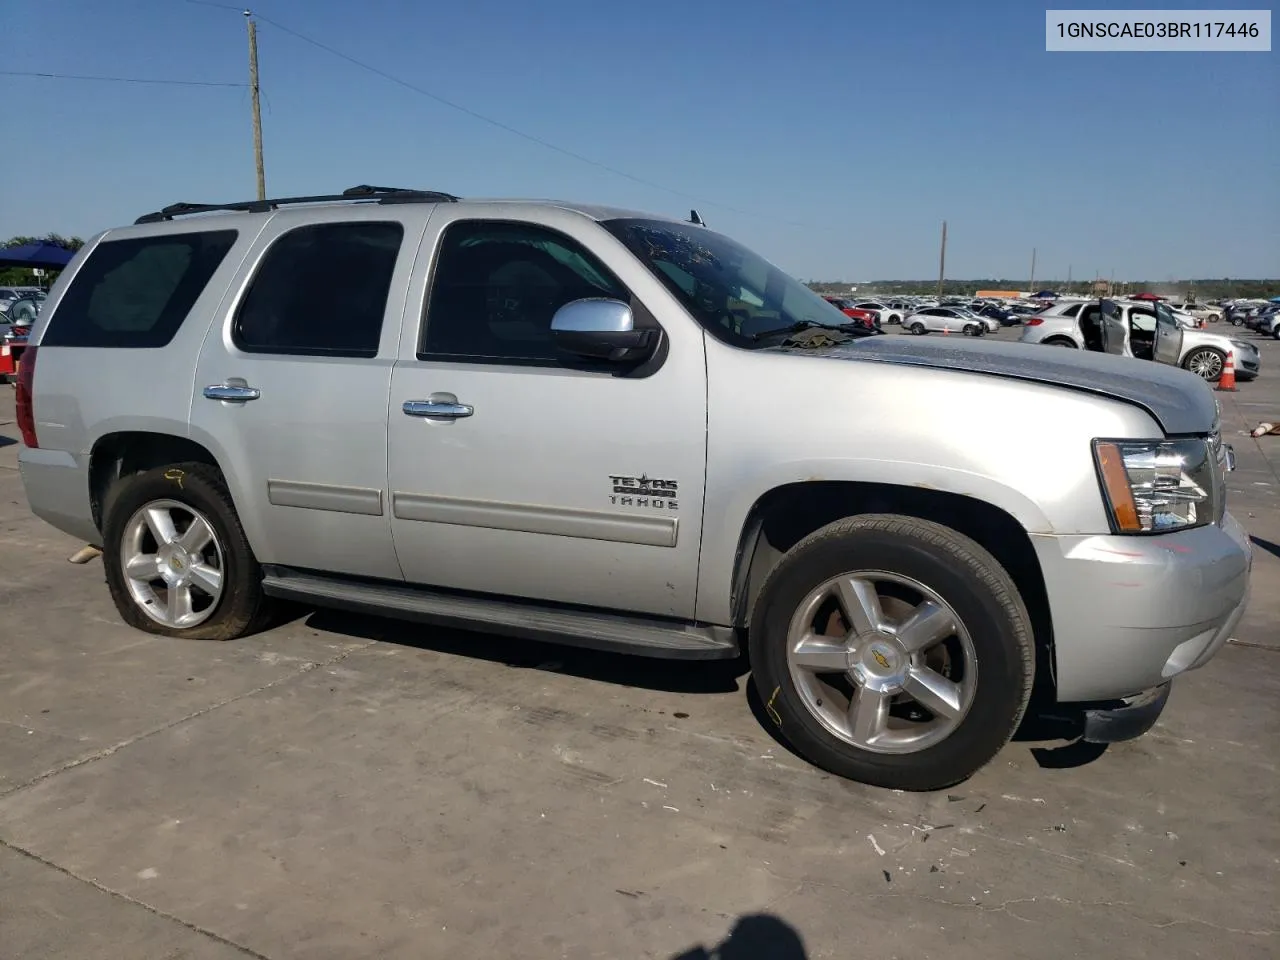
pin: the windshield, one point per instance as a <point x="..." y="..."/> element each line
<point x="736" y="294"/>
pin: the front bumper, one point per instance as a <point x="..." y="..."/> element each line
<point x="1131" y="613"/>
<point x="1247" y="363"/>
<point x="1125" y="719"/>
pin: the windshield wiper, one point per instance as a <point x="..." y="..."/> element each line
<point x="796" y="327"/>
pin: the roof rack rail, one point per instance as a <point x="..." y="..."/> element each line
<point x="361" y="192"/>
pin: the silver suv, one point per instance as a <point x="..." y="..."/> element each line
<point x="597" y="427"/>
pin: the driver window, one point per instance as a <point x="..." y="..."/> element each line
<point x="498" y="284"/>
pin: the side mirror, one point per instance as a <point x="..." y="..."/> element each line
<point x="601" y="329"/>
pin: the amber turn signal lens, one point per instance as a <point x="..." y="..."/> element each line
<point x="1116" y="480"/>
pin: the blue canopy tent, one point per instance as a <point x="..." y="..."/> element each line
<point x="43" y="254"/>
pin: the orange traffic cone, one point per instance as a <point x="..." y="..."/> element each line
<point x="946" y="330"/>
<point x="1227" y="382"/>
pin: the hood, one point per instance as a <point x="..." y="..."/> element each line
<point x="1179" y="401"/>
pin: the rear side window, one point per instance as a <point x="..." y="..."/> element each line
<point x="137" y="292"/>
<point x="321" y="290"/>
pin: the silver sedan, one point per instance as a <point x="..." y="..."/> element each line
<point x="944" y="320"/>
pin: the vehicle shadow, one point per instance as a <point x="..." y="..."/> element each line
<point x="1267" y="545"/>
<point x="756" y="936"/>
<point x="1041" y="725"/>
<point x="669" y="676"/>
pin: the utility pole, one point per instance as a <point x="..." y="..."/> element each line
<point x="1033" y="270"/>
<point x="257" y="109"/>
<point x="942" y="259"/>
<point x="1068" y="279"/>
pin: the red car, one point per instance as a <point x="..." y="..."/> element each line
<point x="867" y="318"/>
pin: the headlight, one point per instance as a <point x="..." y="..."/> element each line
<point x="1157" y="486"/>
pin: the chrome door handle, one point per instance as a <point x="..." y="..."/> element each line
<point x="440" y="406"/>
<point x="232" y="391"/>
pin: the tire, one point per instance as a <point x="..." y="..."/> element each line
<point x="1275" y="331"/>
<point x="1206" y="363"/>
<point x="918" y="329"/>
<point x="970" y="585"/>
<point x="894" y="318"/>
<point x="194" y="490"/>
<point x="973" y="331"/>
<point x="1060" y="342"/>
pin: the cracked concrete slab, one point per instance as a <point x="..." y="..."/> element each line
<point x="62" y="916"/>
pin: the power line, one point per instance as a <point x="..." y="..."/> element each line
<point x="454" y="105"/>
<point x="81" y="76"/>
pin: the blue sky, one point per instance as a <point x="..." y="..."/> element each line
<point x="833" y="137"/>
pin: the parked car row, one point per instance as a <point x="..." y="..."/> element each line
<point x="17" y="317"/>
<point x="1148" y="330"/>
<point x="1238" y="313"/>
<point x="1265" y="320"/>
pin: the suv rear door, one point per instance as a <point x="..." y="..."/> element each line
<point x="548" y="482"/>
<point x="292" y="383"/>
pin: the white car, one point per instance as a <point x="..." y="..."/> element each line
<point x="1199" y="311"/>
<point x="1140" y="326"/>
<point x="945" y="320"/>
<point x="883" y="311"/>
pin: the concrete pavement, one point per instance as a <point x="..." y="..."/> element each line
<point x="352" y="787"/>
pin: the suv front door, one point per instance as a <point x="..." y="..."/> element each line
<point x="545" y="481"/>
<point x="303" y="350"/>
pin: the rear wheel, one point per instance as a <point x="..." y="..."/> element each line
<point x="893" y="651"/>
<point x="1060" y="342"/>
<point x="176" y="558"/>
<point x="918" y="328"/>
<point x="1206" y="363"/>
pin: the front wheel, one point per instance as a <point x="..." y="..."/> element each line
<point x="973" y="331"/>
<point x="918" y="329"/>
<point x="176" y="558"/>
<point x="893" y="651"/>
<point x="1206" y="363"/>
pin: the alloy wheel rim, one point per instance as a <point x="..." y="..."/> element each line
<point x="173" y="564"/>
<point x="1206" y="364"/>
<point x="882" y="662"/>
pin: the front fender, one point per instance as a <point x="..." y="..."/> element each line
<point x="723" y="527"/>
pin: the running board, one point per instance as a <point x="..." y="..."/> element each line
<point x="635" y="634"/>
